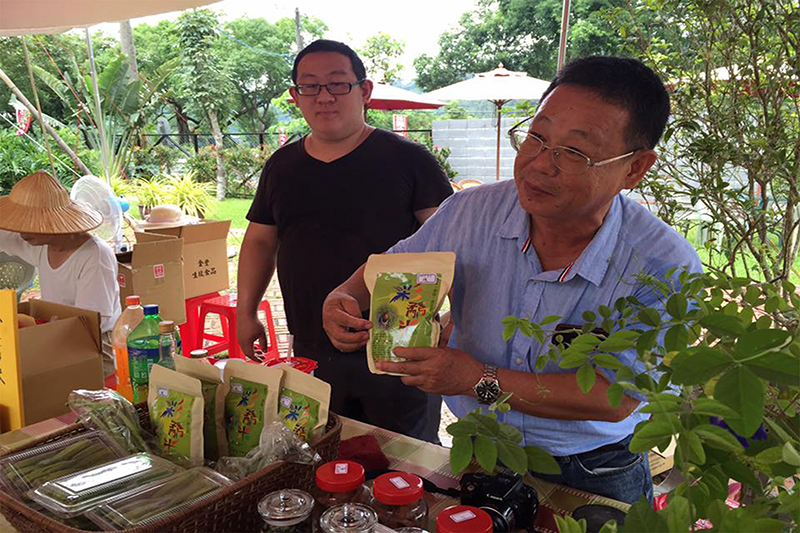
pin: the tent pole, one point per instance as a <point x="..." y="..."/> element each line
<point x="104" y="148"/>
<point x="562" y="46"/>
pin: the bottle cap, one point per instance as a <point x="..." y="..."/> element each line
<point x="132" y="300"/>
<point x="166" y="326"/>
<point x="463" y="519"/>
<point x="340" y="476"/>
<point x="347" y="518"/>
<point x="150" y="309"/>
<point x="285" y="507"/>
<point x="397" y="488"/>
<point x="200" y="353"/>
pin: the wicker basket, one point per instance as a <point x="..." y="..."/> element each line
<point x="232" y="510"/>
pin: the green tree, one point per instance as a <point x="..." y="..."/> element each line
<point x="203" y="78"/>
<point x="381" y="55"/>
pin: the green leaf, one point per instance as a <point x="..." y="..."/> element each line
<point x="770" y="525"/>
<point x="586" y="341"/>
<point x="676" y="338"/>
<point x="513" y="456"/>
<point x="722" y="325"/>
<point x="697" y="452"/>
<point x="605" y="360"/>
<point x="677" y="305"/>
<point x="510" y="433"/>
<point x="609" y="527"/>
<point x="697" y="365"/>
<point x="604" y="311"/>
<point x="649" y="317"/>
<point x="790" y="455"/>
<point x="586" y="377"/>
<point x="541" y="461"/>
<point x="462" y="428"/>
<point x="678" y="516"/>
<point x="718" y="438"/>
<point x="618" y="341"/>
<point x="647" y="340"/>
<point x="573" y="359"/>
<point x="510" y="326"/>
<point x="758" y="341"/>
<point x="743" y="392"/>
<point x="614" y="394"/>
<point x="777" y="367"/>
<point x="567" y="524"/>
<point x="773" y="304"/>
<point x="648" y="434"/>
<point x="460" y="454"/>
<point x="589" y="316"/>
<point x="771" y="455"/>
<point x="549" y="319"/>
<point x="485" y="424"/>
<point x="712" y="407"/>
<point x="485" y="451"/>
<point x="741" y="472"/>
<point x="642" y="518"/>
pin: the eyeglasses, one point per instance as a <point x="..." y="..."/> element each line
<point x="566" y="159"/>
<point x="335" y="89"/>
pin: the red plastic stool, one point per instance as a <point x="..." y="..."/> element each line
<point x="189" y="328"/>
<point x="225" y="308"/>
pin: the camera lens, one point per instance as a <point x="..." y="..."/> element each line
<point x="503" y="519"/>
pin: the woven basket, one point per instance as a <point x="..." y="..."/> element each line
<point x="232" y="510"/>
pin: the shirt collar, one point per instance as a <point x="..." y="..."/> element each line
<point x="593" y="262"/>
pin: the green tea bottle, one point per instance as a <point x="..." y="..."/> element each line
<point x="143" y="344"/>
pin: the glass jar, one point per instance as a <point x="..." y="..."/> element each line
<point x="338" y="482"/>
<point x="286" y="511"/>
<point x="398" y="498"/>
<point x="411" y="530"/>
<point x="348" y="518"/>
<point x="463" y="519"/>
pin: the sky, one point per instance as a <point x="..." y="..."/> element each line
<point x="416" y="22"/>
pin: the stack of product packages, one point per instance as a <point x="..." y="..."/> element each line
<point x="210" y="427"/>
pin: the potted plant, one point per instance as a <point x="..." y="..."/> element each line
<point x="149" y="193"/>
<point x="195" y="198"/>
<point x="726" y="361"/>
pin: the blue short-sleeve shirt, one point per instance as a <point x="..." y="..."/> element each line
<point x="498" y="274"/>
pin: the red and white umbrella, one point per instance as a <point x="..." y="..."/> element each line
<point x="389" y="98"/>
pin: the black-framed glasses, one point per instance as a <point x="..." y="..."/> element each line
<point x="565" y="159"/>
<point x="336" y="89"/>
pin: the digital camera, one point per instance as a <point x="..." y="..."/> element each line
<point x="511" y="503"/>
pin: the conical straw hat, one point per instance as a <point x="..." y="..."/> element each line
<point x="40" y="204"/>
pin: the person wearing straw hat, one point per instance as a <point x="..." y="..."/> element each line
<point x="41" y="225"/>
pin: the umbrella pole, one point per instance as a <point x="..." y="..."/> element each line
<point x="498" y="142"/>
<point x="100" y="119"/>
<point x="562" y="45"/>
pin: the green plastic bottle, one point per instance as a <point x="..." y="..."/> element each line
<point x="143" y="351"/>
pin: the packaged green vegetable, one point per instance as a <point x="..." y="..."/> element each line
<point x="303" y="403"/>
<point x="111" y="413"/>
<point x="176" y="402"/>
<point x="215" y="443"/>
<point x="250" y="403"/>
<point x="407" y="290"/>
<point x="74" y="494"/>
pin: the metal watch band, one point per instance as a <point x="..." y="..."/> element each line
<point x="487" y="390"/>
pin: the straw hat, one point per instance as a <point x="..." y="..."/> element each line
<point x="40" y="204"/>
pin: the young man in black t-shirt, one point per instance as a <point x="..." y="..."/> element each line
<point x="323" y="205"/>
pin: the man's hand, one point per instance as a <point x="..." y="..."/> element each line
<point x="341" y="320"/>
<point x="248" y="330"/>
<point x="437" y="370"/>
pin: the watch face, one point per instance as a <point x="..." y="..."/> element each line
<point x="487" y="391"/>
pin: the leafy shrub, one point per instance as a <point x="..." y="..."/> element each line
<point x="20" y="156"/>
<point x="150" y="161"/>
<point x="195" y="198"/>
<point x="242" y="166"/>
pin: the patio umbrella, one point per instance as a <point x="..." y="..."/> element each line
<point x="389" y="97"/>
<point x="499" y="86"/>
<point x="27" y="17"/>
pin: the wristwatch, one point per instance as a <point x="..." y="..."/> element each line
<point x="487" y="389"/>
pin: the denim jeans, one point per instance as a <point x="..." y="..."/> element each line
<point x="611" y="471"/>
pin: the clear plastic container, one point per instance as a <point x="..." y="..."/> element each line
<point x="398" y="498"/>
<point x="286" y="511"/>
<point x="166" y="344"/>
<point x="349" y="518"/>
<point x="127" y="321"/>
<point x="27" y="470"/>
<point x="71" y="495"/>
<point x="158" y="500"/>
<point x="463" y="519"/>
<point x="143" y="348"/>
<point x="339" y="482"/>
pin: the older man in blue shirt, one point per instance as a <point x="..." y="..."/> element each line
<point x="558" y="240"/>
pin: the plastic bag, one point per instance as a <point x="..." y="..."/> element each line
<point x="276" y="443"/>
<point x="111" y="413"/>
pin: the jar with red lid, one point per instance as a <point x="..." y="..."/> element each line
<point x="463" y="519"/>
<point x="398" y="498"/>
<point x="339" y="482"/>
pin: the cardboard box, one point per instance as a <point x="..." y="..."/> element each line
<point x="662" y="461"/>
<point x="153" y="270"/>
<point x="57" y="357"/>
<point x="205" y="255"/>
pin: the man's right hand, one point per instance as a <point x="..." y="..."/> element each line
<point x="248" y="330"/>
<point x="341" y="320"/>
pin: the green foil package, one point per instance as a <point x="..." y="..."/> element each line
<point x="176" y="403"/>
<point x="303" y="403"/>
<point x="407" y="291"/>
<point x="251" y="403"/>
<point x="215" y="443"/>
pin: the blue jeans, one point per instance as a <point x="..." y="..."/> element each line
<point x="611" y="471"/>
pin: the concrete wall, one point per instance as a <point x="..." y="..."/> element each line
<point x="473" y="145"/>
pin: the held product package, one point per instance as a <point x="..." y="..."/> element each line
<point x="158" y="500"/>
<point x="175" y="402"/>
<point x="29" y="469"/>
<point x="71" y="495"/>
<point x="215" y="442"/>
<point x="303" y="403"/>
<point x="406" y="291"/>
<point x="250" y="403"/>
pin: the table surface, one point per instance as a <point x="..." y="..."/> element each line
<point x="404" y="453"/>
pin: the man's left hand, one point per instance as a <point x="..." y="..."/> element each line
<point x="436" y="370"/>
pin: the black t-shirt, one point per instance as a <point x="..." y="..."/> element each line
<point x="332" y="216"/>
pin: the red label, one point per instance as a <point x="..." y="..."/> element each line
<point x="158" y="271"/>
<point x="121" y="280"/>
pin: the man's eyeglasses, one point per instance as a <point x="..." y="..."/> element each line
<point x="335" y="89"/>
<point x="565" y="159"/>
